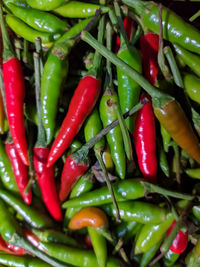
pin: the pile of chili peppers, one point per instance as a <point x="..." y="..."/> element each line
<point x="99" y="134"/>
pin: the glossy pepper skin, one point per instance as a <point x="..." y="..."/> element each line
<point x="170" y="258"/>
<point x="6" y="172"/>
<point x="27" y="32"/>
<point x="193" y="258"/>
<point x="149" y="254"/>
<point x="175" y="29"/>
<point x="145" y="141"/>
<point x="190" y="59"/>
<point x="46" y="181"/>
<point x="123" y="190"/>
<point x="72" y="171"/>
<point x="180" y="242"/>
<point x="2" y="115"/>
<point x="192" y="87"/>
<point x="82" y="103"/>
<point x="20" y="3"/>
<point x="6" y="247"/>
<point x="137" y="211"/>
<point x="45" y="5"/>
<point x="39" y="20"/>
<point x="20" y="171"/>
<point x="114" y="137"/>
<point x="128" y="89"/>
<point x="77" y="9"/>
<point x="30" y="214"/>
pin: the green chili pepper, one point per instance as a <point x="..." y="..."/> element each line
<point x="84" y="184"/>
<point x="46" y="4"/>
<point x="39" y="20"/>
<point x="30" y="215"/>
<point x="166" y="138"/>
<point x="78" y="257"/>
<point x="114" y="137"/>
<point x="193" y="258"/>
<point x="6" y="173"/>
<point x="192" y="87"/>
<point x="149" y="254"/>
<point x="123" y="190"/>
<point x="196" y="211"/>
<point x="55" y="71"/>
<point x="22" y="261"/>
<point x="20" y="3"/>
<point x="163" y="161"/>
<point x="190" y="59"/>
<point x="194" y="173"/>
<point x="126" y="230"/>
<point x="99" y="246"/>
<point x="29" y="33"/>
<point x="77" y="9"/>
<point x="170" y="258"/>
<point x="152" y="234"/>
<point x="92" y="127"/>
<point x="128" y="89"/>
<point x="137" y="211"/>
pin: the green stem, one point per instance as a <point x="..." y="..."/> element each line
<point x="150" y="89"/>
<point x="135" y="35"/>
<point x="25" y="55"/>
<point x="3" y="91"/>
<point x="38" y="47"/>
<point x="8" y="51"/>
<point x="103" y="167"/>
<point x="105" y="233"/>
<point x="177" y="160"/>
<point x="41" y="140"/>
<point x="22" y="242"/>
<point x="195" y="16"/>
<point x="109" y="47"/>
<point x="113" y="20"/>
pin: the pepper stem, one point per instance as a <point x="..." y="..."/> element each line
<point x="102" y="165"/>
<point x="8" y="51"/>
<point x="3" y="91"/>
<point x="38" y="47"/>
<point x="160" y="98"/>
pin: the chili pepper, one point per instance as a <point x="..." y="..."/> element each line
<point x="20" y="3"/>
<point x="191" y="84"/>
<point x="92" y="127"/>
<point x="151" y="234"/>
<point x="163" y="161"/>
<point x="2" y="115"/>
<point x="196" y="121"/>
<point x="193" y="258"/>
<point x="15" y="261"/>
<point x="20" y="171"/>
<point x="137" y="211"/>
<point x="123" y="190"/>
<point x="149" y="254"/>
<point x="190" y="59"/>
<point x="45" y="5"/>
<point x="30" y="214"/>
<point x="114" y="137"/>
<point x="128" y="89"/>
<point x="39" y="20"/>
<point x="78" y="257"/>
<point x="126" y="230"/>
<point x="28" y="33"/>
<point x="170" y="258"/>
<point x="167" y="110"/>
<point x="84" y="184"/>
<point x="180" y="242"/>
<point x="6" y="173"/>
<point x="175" y="29"/>
<point x="45" y="176"/>
<point x="166" y="138"/>
<point x="15" y="92"/>
<point x="74" y="146"/>
<point x="6" y="247"/>
<point x="77" y="9"/>
<point x="55" y="71"/>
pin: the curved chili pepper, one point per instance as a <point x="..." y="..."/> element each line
<point x="193" y="258"/>
<point x="126" y="230"/>
<point x="6" y="247"/>
<point x="114" y="137"/>
<point x="82" y="103"/>
<point x="175" y="29"/>
<point x="180" y="242"/>
<point x="6" y="173"/>
<point x="39" y="20"/>
<point x="194" y="173"/>
<point x="152" y="234"/>
<point x="55" y="71"/>
<point x="192" y="88"/>
<point x="46" y="181"/>
<point x="170" y="258"/>
<point x="15" y="92"/>
<point x="128" y="89"/>
<point x="20" y="3"/>
<point x="2" y="115"/>
<point x="77" y="9"/>
<point x="46" y="5"/>
<point x="149" y="254"/>
<point x="20" y="171"/>
<point x="28" y="33"/>
<point x="190" y="59"/>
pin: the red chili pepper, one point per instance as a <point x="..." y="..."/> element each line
<point x="128" y="26"/>
<point x="72" y="171"/>
<point x="46" y="181"/>
<point x="180" y="242"/>
<point x="82" y="103"/>
<point x="15" y="92"/>
<point x="144" y="131"/>
<point x="6" y="247"/>
<point x="20" y="171"/>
